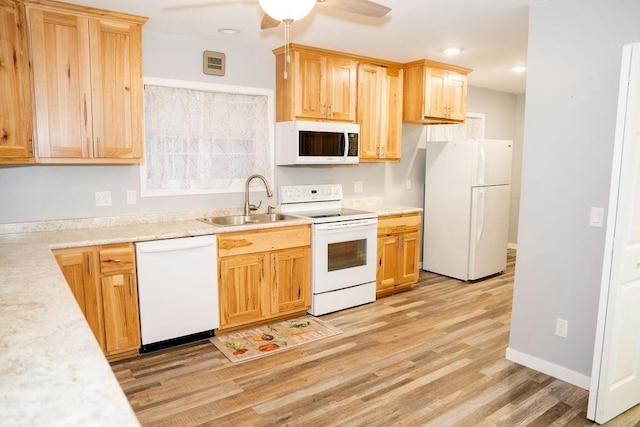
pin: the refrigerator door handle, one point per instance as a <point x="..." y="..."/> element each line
<point x="480" y="213"/>
<point x="482" y="159"/>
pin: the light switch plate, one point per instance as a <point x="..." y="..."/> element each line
<point x="131" y="197"/>
<point x="596" y="217"/>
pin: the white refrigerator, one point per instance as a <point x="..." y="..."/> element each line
<point x="466" y="207"/>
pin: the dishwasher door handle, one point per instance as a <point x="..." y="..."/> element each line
<point x="171" y="246"/>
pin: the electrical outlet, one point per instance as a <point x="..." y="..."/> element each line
<point x="408" y="184"/>
<point x="357" y="187"/>
<point x="103" y="198"/>
<point x="562" y="328"/>
<point x="131" y="197"/>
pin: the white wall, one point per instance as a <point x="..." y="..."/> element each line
<point x="39" y="192"/>
<point x="574" y="59"/>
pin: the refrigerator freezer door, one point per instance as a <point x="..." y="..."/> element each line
<point x="491" y="164"/>
<point x="489" y="230"/>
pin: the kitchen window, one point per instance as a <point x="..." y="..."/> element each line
<point x="203" y="138"/>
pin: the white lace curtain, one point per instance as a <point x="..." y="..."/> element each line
<point x="202" y="141"/>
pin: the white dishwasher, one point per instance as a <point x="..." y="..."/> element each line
<point x="177" y="290"/>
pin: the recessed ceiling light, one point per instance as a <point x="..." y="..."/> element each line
<point x="519" y="69"/>
<point x="452" y="51"/>
<point x="228" y="31"/>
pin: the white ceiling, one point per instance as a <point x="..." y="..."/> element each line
<point x="492" y="33"/>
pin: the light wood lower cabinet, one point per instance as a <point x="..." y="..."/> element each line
<point x="264" y="275"/>
<point x="103" y="281"/>
<point x="398" y="253"/>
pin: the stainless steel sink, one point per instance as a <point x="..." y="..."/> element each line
<point x="246" y="219"/>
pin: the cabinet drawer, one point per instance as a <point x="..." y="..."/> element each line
<point x="242" y="242"/>
<point x="399" y="223"/>
<point x="116" y="258"/>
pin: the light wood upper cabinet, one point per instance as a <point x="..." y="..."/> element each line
<point x="434" y="93"/>
<point x="379" y="112"/>
<point x="320" y="85"/>
<point x="398" y="253"/>
<point x="263" y="275"/>
<point x="16" y="131"/>
<point x="87" y="79"/>
<point x="103" y="281"/>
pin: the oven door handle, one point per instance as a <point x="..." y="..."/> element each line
<point x="347" y="225"/>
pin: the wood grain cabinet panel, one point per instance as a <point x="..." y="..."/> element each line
<point x="107" y="294"/>
<point x="434" y="92"/>
<point x="87" y="80"/>
<point x="80" y="270"/>
<point x="263" y="275"/>
<point x="16" y="128"/>
<point x="320" y="85"/>
<point x="379" y="112"/>
<point x="398" y="253"/>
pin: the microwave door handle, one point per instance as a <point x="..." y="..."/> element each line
<point x="346" y="144"/>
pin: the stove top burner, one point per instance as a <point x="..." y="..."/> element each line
<point x="322" y="203"/>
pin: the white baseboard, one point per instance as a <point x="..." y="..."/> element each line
<point x="551" y="369"/>
<point x="512" y="246"/>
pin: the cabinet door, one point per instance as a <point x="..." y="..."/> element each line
<point x="392" y="112"/>
<point x="61" y="84"/>
<point x="242" y="289"/>
<point x="341" y="89"/>
<point x="408" y="258"/>
<point x="369" y="110"/>
<point x="290" y="280"/>
<point x="79" y="268"/>
<point x="387" y="262"/>
<point x="116" y="79"/>
<point x="120" y="307"/>
<point x="310" y="85"/>
<point x="15" y="87"/>
<point x="436" y="93"/>
<point x="456" y="96"/>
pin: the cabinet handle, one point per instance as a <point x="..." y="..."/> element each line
<point x="117" y="261"/>
<point x="130" y="286"/>
<point x="263" y="268"/>
<point x="330" y="112"/>
<point x="89" y="264"/>
<point x="324" y="110"/>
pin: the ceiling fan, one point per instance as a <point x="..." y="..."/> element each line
<point x="277" y="11"/>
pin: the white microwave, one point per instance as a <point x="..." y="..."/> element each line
<point x="317" y="143"/>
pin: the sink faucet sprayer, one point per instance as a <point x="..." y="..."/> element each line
<point x="248" y="207"/>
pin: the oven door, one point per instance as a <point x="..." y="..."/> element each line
<point x="344" y="254"/>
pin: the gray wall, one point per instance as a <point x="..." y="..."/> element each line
<point x="56" y="192"/>
<point x="574" y="59"/>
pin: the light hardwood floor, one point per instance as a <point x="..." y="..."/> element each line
<point x="431" y="356"/>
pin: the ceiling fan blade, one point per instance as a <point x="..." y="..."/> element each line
<point x="268" y="22"/>
<point x="361" y="7"/>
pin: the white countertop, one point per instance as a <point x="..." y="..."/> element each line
<point x="52" y="370"/>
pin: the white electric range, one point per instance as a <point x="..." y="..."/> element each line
<point x="344" y="246"/>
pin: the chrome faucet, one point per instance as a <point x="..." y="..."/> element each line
<point x="248" y="207"/>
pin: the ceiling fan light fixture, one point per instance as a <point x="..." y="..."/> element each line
<point x="287" y="10"/>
